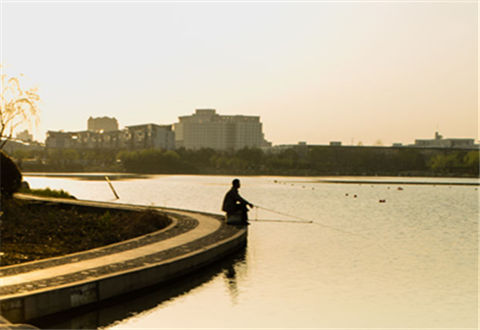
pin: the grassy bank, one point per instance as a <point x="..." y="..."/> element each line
<point x="32" y="231"/>
<point x="47" y="192"/>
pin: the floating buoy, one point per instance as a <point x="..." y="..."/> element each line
<point x="382" y="201"/>
<point x="399" y="188"/>
<point x="346" y="194"/>
<point x="354" y="196"/>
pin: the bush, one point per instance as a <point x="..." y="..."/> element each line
<point x="11" y="178"/>
<point x="47" y="192"/>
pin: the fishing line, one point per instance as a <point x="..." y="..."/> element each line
<point x="384" y="249"/>
<point x="302" y="220"/>
<point x="285" y="214"/>
<point x="272" y="220"/>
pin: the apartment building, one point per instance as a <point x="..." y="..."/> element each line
<point x="151" y="136"/>
<point x="207" y="129"/>
<point x="147" y="136"/>
<point x="439" y="142"/>
<point x="24" y="136"/>
<point x="102" y="124"/>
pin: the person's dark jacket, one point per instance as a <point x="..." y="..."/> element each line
<point x="233" y="201"/>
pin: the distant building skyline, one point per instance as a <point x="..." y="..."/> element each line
<point x="203" y="129"/>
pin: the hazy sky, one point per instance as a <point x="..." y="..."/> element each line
<point x="314" y="71"/>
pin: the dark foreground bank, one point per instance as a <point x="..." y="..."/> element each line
<point x="32" y="230"/>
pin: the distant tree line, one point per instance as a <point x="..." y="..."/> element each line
<point x="291" y="161"/>
<point x="67" y="160"/>
<point x="302" y="160"/>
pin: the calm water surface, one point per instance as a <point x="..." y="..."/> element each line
<point x="409" y="262"/>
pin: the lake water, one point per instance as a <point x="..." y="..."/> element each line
<point x="378" y="255"/>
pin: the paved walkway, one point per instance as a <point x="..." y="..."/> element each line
<point x="189" y="233"/>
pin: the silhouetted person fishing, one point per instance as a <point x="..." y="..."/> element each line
<point x="235" y="206"/>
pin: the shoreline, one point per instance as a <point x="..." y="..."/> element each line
<point x="438" y="183"/>
<point x="113" y="176"/>
<point x="44" y="287"/>
<point x="335" y="179"/>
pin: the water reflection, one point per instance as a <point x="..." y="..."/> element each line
<point x="110" y="312"/>
<point x="230" y="276"/>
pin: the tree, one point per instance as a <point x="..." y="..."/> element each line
<point x="17" y="107"/>
<point x="10" y="176"/>
<point x="472" y="162"/>
<point x="448" y="162"/>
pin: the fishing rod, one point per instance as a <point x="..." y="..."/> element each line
<point x="302" y="220"/>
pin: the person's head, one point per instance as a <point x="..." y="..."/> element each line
<point x="236" y="183"/>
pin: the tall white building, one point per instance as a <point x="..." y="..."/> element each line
<point x="207" y="129"/>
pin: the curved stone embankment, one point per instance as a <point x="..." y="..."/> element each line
<point x="193" y="240"/>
